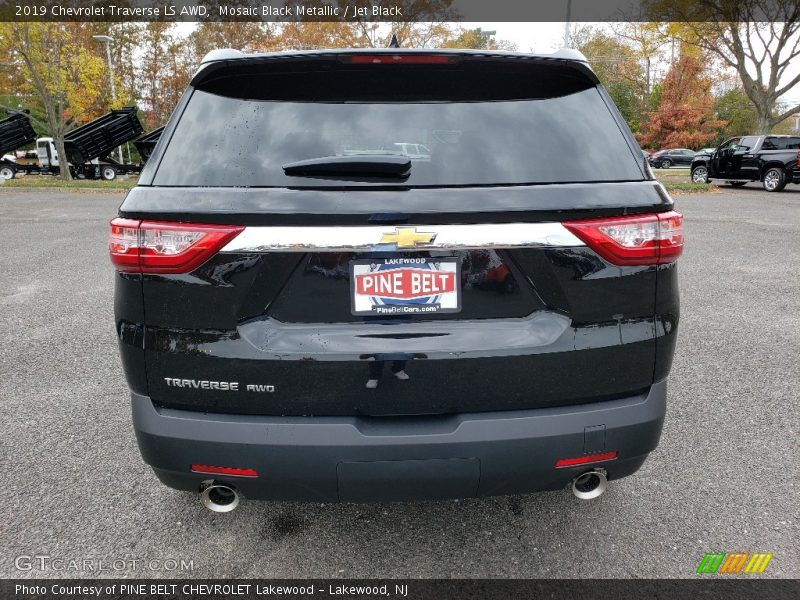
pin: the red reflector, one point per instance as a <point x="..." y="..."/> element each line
<point x="584" y="460"/>
<point x="233" y="471"/>
<point x="651" y="239"/>
<point x="394" y="59"/>
<point x="165" y="247"/>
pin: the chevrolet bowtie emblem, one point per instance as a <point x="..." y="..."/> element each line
<point x="407" y="237"/>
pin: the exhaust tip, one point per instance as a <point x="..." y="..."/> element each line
<point x="219" y="497"/>
<point x="590" y="484"/>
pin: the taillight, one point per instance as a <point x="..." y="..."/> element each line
<point x="396" y="59"/>
<point x="634" y="240"/>
<point x="163" y="247"/>
<point x="798" y="159"/>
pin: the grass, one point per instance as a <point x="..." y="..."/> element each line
<point x="688" y="187"/>
<point x="676" y="181"/>
<point x="679" y="181"/>
<point x="50" y="182"/>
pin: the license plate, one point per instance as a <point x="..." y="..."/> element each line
<point x="405" y="286"/>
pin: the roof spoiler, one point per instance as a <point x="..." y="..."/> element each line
<point x="232" y="54"/>
<point x="218" y="60"/>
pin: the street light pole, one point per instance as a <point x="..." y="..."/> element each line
<point x="566" y="24"/>
<point x="107" y="39"/>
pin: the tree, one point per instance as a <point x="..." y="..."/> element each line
<point x="477" y="39"/>
<point x="421" y="24"/>
<point x="167" y="67"/>
<point x="646" y="40"/>
<point x="618" y="69"/>
<point x="757" y="38"/>
<point x="241" y="35"/>
<point x="64" y="73"/>
<point x="735" y="108"/>
<point x="685" y="115"/>
<point x="310" y="35"/>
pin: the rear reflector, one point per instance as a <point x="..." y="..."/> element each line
<point x="233" y="471"/>
<point x="585" y="460"/>
<point x="633" y="240"/>
<point x="165" y="247"/>
<point x="396" y="59"/>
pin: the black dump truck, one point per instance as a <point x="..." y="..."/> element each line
<point x="97" y="139"/>
<point x="88" y="147"/>
<point x="15" y="132"/>
<point x="147" y="143"/>
<point x="774" y="160"/>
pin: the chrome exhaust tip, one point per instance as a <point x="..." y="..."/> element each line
<point x="590" y="484"/>
<point x="218" y="497"/>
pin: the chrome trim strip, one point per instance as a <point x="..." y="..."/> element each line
<point x="367" y="238"/>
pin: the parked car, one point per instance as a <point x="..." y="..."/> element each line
<point x="664" y="159"/>
<point x="774" y="160"/>
<point x="323" y="327"/>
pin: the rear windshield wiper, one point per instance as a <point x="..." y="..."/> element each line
<point x="367" y="165"/>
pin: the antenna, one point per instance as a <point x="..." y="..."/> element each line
<point x="394" y="43"/>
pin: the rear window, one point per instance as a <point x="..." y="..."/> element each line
<point x="457" y="134"/>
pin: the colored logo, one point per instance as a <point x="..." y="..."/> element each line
<point x="732" y="563"/>
<point x="407" y="237"/>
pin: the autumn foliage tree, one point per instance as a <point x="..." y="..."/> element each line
<point x="685" y="114"/>
<point x="617" y="66"/>
<point x="759" y="39"/>
<point x="63" y="73"/>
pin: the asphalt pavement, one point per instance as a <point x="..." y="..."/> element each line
<point x="723" y="479"/>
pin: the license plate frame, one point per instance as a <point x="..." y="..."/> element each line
<point x="432" y="269"/>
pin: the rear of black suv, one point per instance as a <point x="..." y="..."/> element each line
<point x="395" y="274"/>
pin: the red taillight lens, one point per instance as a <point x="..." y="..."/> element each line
<point x="233" y="471"/>
<point x="123" y="244"/>
<point x="162" y="247"/>
<point x="585" y="460"/>
<point x="635" y="240"/>
<point x="396" y="59"/>
<point x="798" y="159"/>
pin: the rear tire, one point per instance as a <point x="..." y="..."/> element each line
<point x="666" y="163"/>
<point x="774" y="179"/>
<point x="700" y="174"/>
<point x="7" y="172"/>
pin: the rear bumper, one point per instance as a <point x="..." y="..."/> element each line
<point x="409" y="458"/>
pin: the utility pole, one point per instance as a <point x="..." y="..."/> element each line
<point x="566" y="24"/>
<point x="107" y="39"/>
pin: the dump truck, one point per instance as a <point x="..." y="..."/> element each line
<point x="147" y="143"/>
<point x="15" y="132"/>
<point x="88" y="148"/>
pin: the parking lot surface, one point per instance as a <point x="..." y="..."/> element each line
<point x="723" y="479"/>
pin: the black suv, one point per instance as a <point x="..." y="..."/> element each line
<point x="306" y="311"/>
